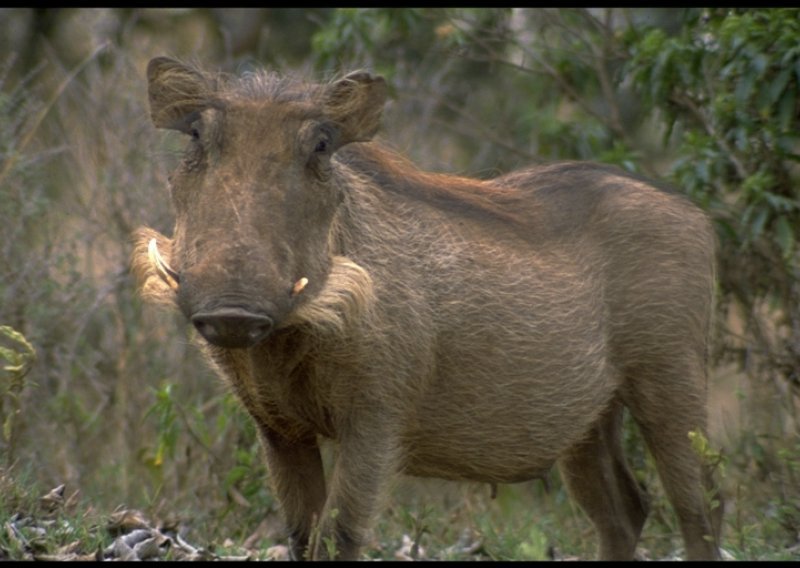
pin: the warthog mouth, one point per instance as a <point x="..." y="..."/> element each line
<point x="342" y="303"/>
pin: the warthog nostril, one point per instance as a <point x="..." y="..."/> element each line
<point x="232" y="327"/>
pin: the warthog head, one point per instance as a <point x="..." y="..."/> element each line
<point x="254" y="197"/>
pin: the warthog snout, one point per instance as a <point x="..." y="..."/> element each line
<point x="232" y="327"/>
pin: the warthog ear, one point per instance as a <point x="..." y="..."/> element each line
<point x="355" y="103"/>
<point x="176" y="93"/>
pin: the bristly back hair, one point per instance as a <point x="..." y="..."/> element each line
<point x="394" y="172"/>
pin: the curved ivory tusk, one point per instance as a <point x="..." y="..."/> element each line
<point x="164" y="271"/>
<point x="299" y="285"/>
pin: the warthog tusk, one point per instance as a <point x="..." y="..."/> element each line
<point x="167" y="274"/>
<point x="299" y="285"/>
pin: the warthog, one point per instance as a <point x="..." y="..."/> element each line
<point x="429" y="324"/>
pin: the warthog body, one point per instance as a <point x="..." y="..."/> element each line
<point x="429" y="324"/>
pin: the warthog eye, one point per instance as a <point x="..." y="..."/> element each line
<point x="193" y="126"/>
<point x="324" y="136"/>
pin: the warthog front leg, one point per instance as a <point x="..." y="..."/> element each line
<point x="366" y="461"/>
<point x="297" y="477"/>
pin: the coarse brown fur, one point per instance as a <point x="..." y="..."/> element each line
<point x="430" y="324"/>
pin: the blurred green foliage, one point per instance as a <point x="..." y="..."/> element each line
<point x="729" y="81"/>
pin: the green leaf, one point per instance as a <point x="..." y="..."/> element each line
<point x="757" y="184"/>
<point x="726" y="231"/>
<point x="760" y="63"/>
<point x="786" y="109"/>
<point x="744" y="88"/>
<point x="741" y="136"/>
<point x="758" y="223"/>
<point x="778" y="86"/>
<point x="9" y="355"/>
<point x="779" y="202"/>
<point x="784" y="236"/>
<point x="7" y="424"/>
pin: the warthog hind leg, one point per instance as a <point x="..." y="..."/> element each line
<point x="667" y="405"/>
<point x="599" y="480"/>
